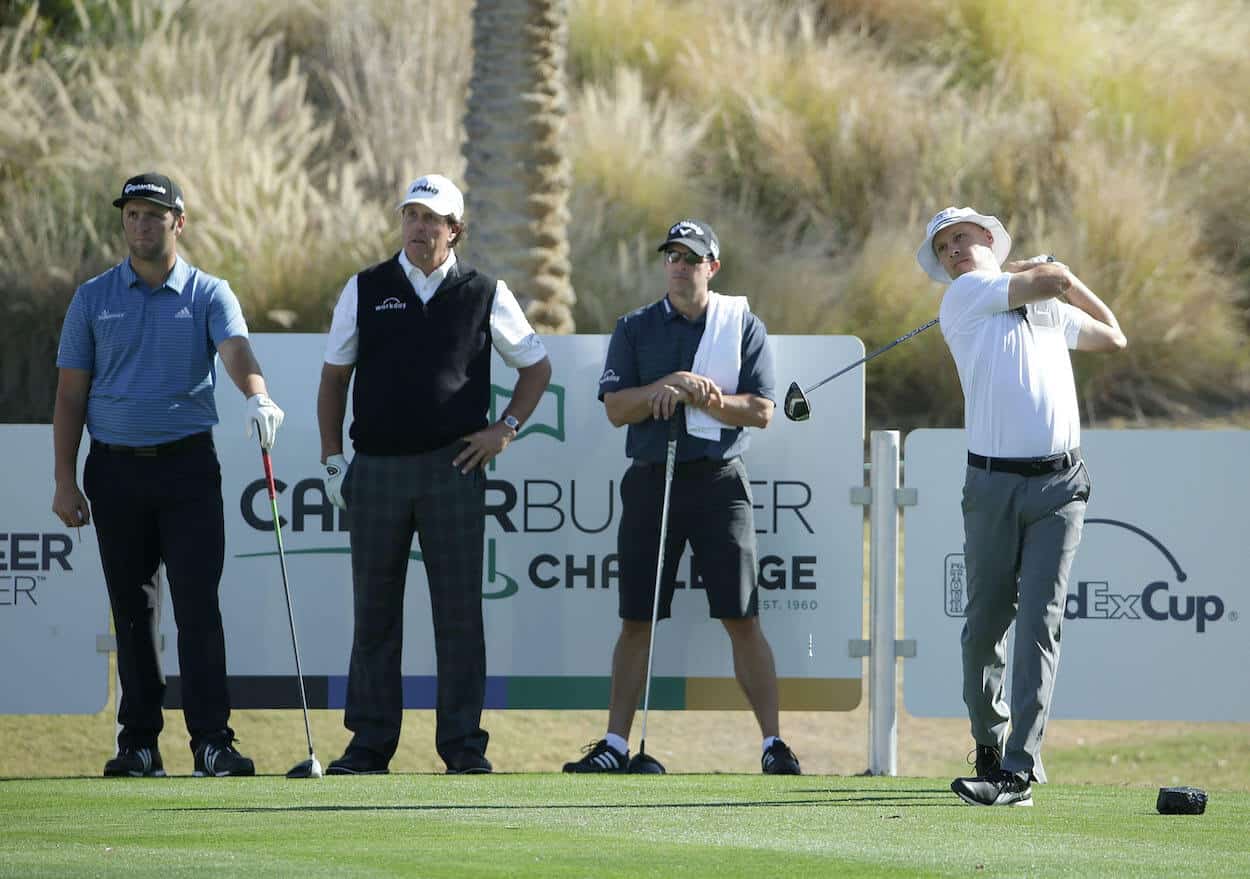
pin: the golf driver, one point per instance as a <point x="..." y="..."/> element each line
<point x="310" y="768"/>
<point x="799" y="409"/>
<point x="643" y="763"/>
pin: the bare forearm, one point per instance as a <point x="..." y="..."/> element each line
<point x="531" y="382"/>
<point x="331" y="410"/>
<point x="1085" y="299"/>
<point x="68" y="417"/>
<point x="241" y="365"/>
<point x="631" y="405"/>
<point x="742" y="410"/>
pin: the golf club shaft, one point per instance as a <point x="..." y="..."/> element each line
<point x="670" y="464"/>
<point x="286" y="589"/>
<point x="900" y="340"/>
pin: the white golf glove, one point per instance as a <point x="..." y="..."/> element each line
<point x="264" y="416"/>
<point x="336" y="468"/>
<point x="1040" y="259"/>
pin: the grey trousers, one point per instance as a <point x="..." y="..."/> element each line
<point x="1020" y="536"/>
<point x="388" y="499"/>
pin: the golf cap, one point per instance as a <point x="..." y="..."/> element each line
<point x="437" y="193"/>
<point x="696" y="235"/>
<point x="156" y="188"/>
<point x="948" y="217"/>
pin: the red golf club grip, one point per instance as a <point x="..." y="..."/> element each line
<point x="264" y="457"/>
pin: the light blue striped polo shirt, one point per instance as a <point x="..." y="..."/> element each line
<point x="151" y="353"/>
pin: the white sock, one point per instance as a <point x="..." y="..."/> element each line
<point x="768" y="742"/>
<point x="620" y="745"/>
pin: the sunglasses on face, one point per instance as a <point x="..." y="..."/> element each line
<point x="672" y="257"/>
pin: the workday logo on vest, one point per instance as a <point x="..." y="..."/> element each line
<point x="391" y="303"/>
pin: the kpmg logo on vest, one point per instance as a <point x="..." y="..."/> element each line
<point x="1096" y="600"/>
<point x="390" y="303"/>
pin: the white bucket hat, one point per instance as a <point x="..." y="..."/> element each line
<point x="948" y="217"/>
<point x="437" y="193"/>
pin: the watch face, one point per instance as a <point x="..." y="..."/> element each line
<point x="510" y="421"/>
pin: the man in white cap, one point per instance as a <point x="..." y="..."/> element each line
<point x="1026" y="486"/>
<point x="417" y="331"/>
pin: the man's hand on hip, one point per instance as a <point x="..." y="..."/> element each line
<point x="482" y="447"/>
<point x="265" y="417"/>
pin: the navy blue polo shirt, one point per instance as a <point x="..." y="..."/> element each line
<point x="151" y="353"/>
<point x="655" y="340"/>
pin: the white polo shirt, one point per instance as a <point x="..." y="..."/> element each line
<point x="510" y="331"/>
<point x="1016" y="374"/>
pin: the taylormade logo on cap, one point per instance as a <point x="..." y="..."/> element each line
<point x="141" y="187"/>
<point x="156" y="188"/>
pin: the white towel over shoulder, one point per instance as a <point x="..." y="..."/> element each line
<point x="718" y="357"/>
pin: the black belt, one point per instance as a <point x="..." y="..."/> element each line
<point x="172" y="447"/>
<point x="1027" y="466"/>
<point x="687" y="468"/>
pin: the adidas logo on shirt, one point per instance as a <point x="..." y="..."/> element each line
<point x="183" y="313"/>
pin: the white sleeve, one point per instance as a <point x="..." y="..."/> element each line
<point x="1073" y="321"/>
<point x="511" y="333"/>
<point x="343" y="337"/>
<point x="973" y="295"/>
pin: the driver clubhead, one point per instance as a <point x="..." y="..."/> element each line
<point x="310" y="768"/>
<point x="645" y="764"/>
<point x="796" y="406"/>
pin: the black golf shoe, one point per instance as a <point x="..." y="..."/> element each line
<point x="218" y="760"/>
<point x="469" y="763"/>
<point x="987" y="761"/>
<point x="357" y="761"/>
<point x="779" y="760"/>
<point x="599" y="757"/>
<point x="135" y="763"/>
<point x="1002" y="788"/>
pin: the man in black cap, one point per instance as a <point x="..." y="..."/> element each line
<point x="705" y="353"/>
<point x="137" y="365"/>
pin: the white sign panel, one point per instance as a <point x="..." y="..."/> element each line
<point x="53" y="602"/>
<point x="1153" y="625"/>
<point x="550" y="567"/>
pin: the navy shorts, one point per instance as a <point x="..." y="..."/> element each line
<point x="710" y="508"/>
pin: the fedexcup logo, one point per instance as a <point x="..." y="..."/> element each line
<point x="1097" y="600"/>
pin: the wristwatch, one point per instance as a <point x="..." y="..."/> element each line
<point x="510" y="421"/>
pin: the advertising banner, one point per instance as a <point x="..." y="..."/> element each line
<point x="550" y="570"/>
<point x="52" y="598"/>
<point x="1153" y="626"/>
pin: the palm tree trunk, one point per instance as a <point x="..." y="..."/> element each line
<point x="518" y="175"/>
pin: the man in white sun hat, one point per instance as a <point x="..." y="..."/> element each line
<point x="1026" y="487"/>
<point x="416" y="331"/>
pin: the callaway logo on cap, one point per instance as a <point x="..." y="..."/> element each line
<point x="694" y="234"/>
<point x="156" y="188"/>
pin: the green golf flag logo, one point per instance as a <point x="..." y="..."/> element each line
<point x="547" y="419"/>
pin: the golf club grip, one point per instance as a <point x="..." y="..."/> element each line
<point x="264" y="457"/>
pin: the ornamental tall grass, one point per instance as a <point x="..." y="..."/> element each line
<point x="816" y="136"/>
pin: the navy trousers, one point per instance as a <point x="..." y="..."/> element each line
<point x="166" y="508"/>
